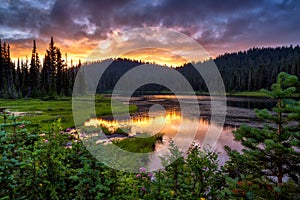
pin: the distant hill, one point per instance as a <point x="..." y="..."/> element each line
<point x="248" y="70"/>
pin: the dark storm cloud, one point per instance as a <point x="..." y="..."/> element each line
<point x="20" y="19"/>
<point x="224" y="24"/>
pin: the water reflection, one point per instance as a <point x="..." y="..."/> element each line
<point x="141" y="123"/>
<point x="173" y="125"/>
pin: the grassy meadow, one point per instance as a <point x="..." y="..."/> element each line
<point x="42" y="113"/>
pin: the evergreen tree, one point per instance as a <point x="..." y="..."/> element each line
<point x="48" y="76"/>
<point x="34" y="73"/>
<point x="271" y="153"/>
<point x="19" y="78"/>
<point x="4" y="71"/>
<point x="1" y="70"/>
<point x="25" y="77"/>
<point x="59" y="72"/>
<point x="66" y="79"/>
<point x="80" y="88"/>
<point x="8" y="80"/>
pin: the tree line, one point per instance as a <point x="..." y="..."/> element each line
<point x="27" y="78"/>
<point x="241" y="71"/>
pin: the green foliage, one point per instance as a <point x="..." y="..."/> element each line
<point x="194" y="177"/>
<point x="271" y="153"/>
<point x="54" y="164"/>
<point x="138" y="144"/>
<point x="50" y="163"/>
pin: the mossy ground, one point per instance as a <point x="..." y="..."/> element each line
<point x="42" y="113"/>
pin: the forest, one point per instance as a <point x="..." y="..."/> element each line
<point x="43" y="157"/>
<point x="248" y="70"/>
<point x="34" y="79"/>
<point x="53" y="163"/>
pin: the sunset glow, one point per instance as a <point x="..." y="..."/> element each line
<point x="79" y="27"/>
<point x="157" y="56"/>
<point x="170" y="123"/>
<point x="140" y="124"/>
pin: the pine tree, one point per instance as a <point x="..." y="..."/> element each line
<point x="34" y="73"/>
<point x="48" y="74"/>
<point x="271" y="153"/>
<point x="25" y="79"/>
<point x="19" y="78"/>
<point x="1" y="70"/>
<point x="4" y="71"/>
<point x="66" y="79"/>
<point x="59" y="72"/>
<point x="9" y="74"/>
<point x="80" y="88"/>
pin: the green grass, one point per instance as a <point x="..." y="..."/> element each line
<point x="138" y="144"/>
<point x="49" y="111"/>
<point x="247" y="94"/>
<point x="254" y="94"/>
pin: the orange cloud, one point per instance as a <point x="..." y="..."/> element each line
<point x="155" y="55"/>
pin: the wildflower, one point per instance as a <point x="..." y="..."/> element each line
<point x="172" y="192"/>
<point x="69" y="144"/>
<point x="143" y="189"/>
<point x="68" y="129"/>
<point x="138" y="176"/>
<point x="152" y="178"/>
<point x="235" y="191"/>
<point x="22" y="126"/>
<point x="143" y="169"/>
<point x="41" y="185"/>
<point x="46" y="141"/>
<point x="150" y="175"/>
<point x="73" y="131"/>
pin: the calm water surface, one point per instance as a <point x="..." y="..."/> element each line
<point x="162" y="114"/>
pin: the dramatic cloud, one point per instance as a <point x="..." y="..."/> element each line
<point x="78" y="26"/>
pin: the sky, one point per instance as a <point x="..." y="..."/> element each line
<point x="80" y="26"/>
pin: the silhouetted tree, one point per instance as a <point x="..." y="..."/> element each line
<point x="25" y="77"/>
<point x="34" y="73"/>
<point x="48" y="77"/>
<point x="245" y="70"/>
<point x="19" y="77"/>
<point x="59" y="72"/>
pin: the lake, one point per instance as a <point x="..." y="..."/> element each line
<point x="162" y="114"/>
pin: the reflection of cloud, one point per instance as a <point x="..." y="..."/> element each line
<point x="141" y="124"/>
<point x="172" y="125"/>
<point x="220" y="26"/>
